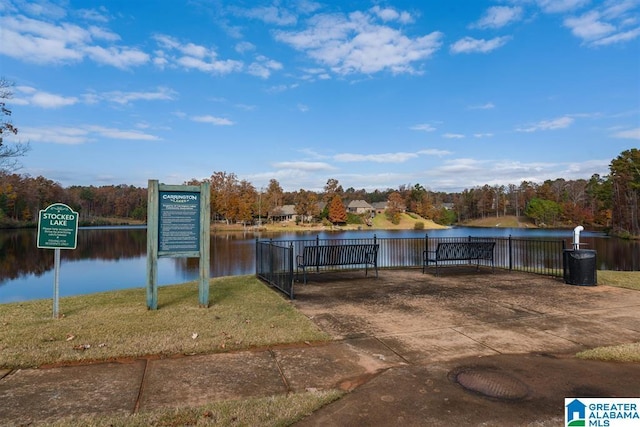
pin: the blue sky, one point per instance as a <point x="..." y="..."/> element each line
<point x="448" y="94"/>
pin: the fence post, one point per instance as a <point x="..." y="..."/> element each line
<point x="510" y="255"/>
<point x="291" y="270"/>
<point x="257" y="257"/>
<point x="317" y="253"/>
<point x="271" y="260"/>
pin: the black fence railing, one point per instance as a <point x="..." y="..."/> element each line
<point x="275" y="259"/>
<point x="528" y="255"/>
<point x="274" y="264"/>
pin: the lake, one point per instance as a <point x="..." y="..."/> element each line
<point x="110" y="258"/>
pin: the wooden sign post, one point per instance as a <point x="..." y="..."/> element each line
<point x="178" y="225"/>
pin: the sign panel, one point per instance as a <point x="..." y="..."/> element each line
<point x="57" y="227"/>
<point x="179" y="221"/>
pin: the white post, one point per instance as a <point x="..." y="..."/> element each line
<point x="576" y="237"/>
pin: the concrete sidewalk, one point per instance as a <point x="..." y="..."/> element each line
<point x="411" y="349"/>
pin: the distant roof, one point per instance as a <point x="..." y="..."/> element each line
<point x="359" y="204"/>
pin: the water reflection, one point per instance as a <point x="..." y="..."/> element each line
<point x="115" y="258"/>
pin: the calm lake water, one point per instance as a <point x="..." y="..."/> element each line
<point x="109" y="258"/>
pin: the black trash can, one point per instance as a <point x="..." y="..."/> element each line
<point x="580" y="267"/>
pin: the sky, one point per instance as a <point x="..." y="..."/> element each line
<point x="447" y="94"/>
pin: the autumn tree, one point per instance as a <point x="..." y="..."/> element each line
<point x="395" y="206"/>
<point x="337" y="211"/>
<point x="8" y="152"/>
<point x="273" y="199"/>
<point x="331" y="189"/>
<point x="246" y="202"/>
<point x="306" y="204"/>
<point x="222" y="192"/>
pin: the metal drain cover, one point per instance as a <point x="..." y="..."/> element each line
<point x="492" y="383"/>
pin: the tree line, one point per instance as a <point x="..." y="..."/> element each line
<point x="609" y="202"/>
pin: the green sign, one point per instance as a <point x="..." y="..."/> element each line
<point x="57" y="227"/>
<point x="179" y="221"/>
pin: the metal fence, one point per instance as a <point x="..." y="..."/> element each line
<point x="275" y="259"/>
<point x="274" y="264"/>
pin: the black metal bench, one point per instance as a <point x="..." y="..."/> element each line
<point x="459" y="251"/>
<point x="335" y="255"/>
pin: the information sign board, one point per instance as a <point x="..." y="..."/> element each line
<point x="57" y="227"/>
<point x="178" y="226"/>
<point x="179" y="222"/>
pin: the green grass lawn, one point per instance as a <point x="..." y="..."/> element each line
<point x="243" y="313"/>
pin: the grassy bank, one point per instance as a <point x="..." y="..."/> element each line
<point x="244" y="313"/>
<point x="620" y="279"/>
<point x="508" y="221"/>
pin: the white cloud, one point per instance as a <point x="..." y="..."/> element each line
<point x="82" y="134"/>
<point x="614" y="22"/>
<point x="628" y="134"/>
<point x="424" y="127"/>
<point x="119" y="97"/>
<point x="307" y="166"/>
<point x="56" y="135"/>
<point x="399" y="157"/>
<point x="31" y="96"/>
<point x="50" y="100"/>
<point x="618" y="38"/>
<point x="389" y="14"/>
<point x="130" y="134"/>
<point x="244" y="46"/>
<point x="103" y="33"/>
<point x="559" y="123"/>
<point x="589" y="26"/>
<point x="471" y="45"/>
<point x="93" y="15"/>
<point x="218" y="121"/>
<point x="376" y="158"/>
<point x="359" y="43"/>
<point x="192" y="56"/>
<point x="499" y="16"/>
<point x="263" y="66"/>
<point x="118" y="57"/>
<point x="434" y="152"/>
<point x="558" y="6"/>
<point x="453" y="135"/>
<point x="487" y="106"/>
<point x="42" y="42"/>
<point x="270" y="14"/>
<point x="461" y="165"/>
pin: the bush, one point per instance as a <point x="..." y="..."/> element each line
<point x="354" y="219"/>
<point x="419" y="225"/>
